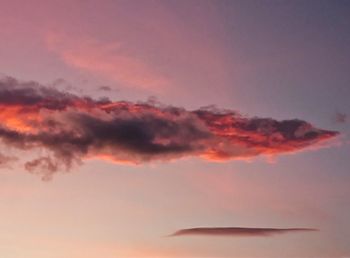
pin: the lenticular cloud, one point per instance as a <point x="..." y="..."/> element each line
<point x="238" y="231"/>
<point x="66" y="129"/>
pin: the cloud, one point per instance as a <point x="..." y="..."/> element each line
<point x="6" y="160"/>
<point x="107" y="60"/>
<point x="340" y="118"/>
<point x="237" y="231"/>
<point x="69" y="128"/>
<point x="105" y="88"/>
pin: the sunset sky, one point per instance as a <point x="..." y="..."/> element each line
<point x="174" y="129"/>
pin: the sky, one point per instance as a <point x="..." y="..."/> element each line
<point x="168" y="129"/>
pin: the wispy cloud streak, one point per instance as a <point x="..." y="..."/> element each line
<point x="238" y="231"/>
<point x="69" y="128"/>
<point x="106" y="60"/>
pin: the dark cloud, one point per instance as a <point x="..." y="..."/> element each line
<point x="105" y="88"/>
<point x="69" y="128"/>
<point x="238" y="231"/>
<point x="340" y="118"/>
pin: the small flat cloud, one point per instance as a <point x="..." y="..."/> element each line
<point x="105" y="88"/>
<point x="238" y="231"/>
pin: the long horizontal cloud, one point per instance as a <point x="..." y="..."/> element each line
<point x="69" y="128"/>
<point x="237" y="231"/>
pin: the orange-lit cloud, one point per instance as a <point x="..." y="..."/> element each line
<point x="107" y="60"/>
<point x="70" y="128"/>
<point x="238" y="231"/>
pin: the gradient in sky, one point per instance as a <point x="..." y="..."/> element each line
<point x="221" y="123"/>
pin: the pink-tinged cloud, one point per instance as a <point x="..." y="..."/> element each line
<point x="69" y="128"/>
<point x="238" y="231"/>
<point x="5" y="160"/>
<point x="107" y="60"/>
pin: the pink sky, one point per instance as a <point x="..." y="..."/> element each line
<point x="282" y="60"/>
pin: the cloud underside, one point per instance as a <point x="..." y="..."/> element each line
<point x="68" y="128"/>
<point x="238" y="231"/>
